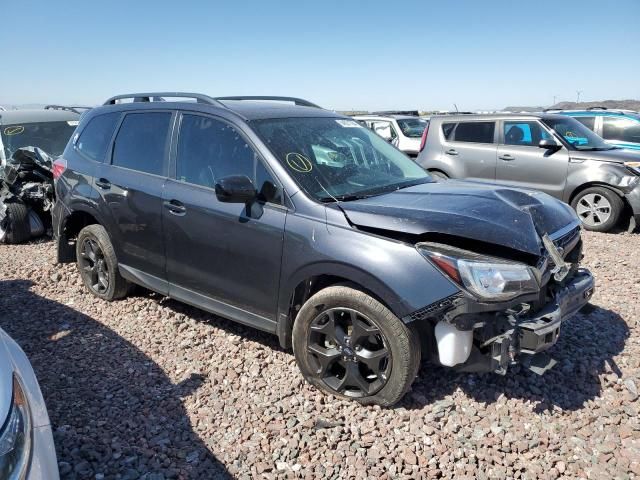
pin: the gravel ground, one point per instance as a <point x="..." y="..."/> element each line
<point x="149" y="388"/>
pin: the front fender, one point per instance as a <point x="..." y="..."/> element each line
<point x="592" y="173"/>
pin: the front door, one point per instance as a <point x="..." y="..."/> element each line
<point x="222" y="256"/>
<point x="522" y="163"/>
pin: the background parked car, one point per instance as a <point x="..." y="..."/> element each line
<point x="402" y="131"/>
<point x="26" y="441"/>
<point x="617" y="127"/>
<point x="29" y="141"/>
<point x="552" y="153"/>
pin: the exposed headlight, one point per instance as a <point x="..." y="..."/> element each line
<point x="486" y="278"/>
<point x="15" y="436"/>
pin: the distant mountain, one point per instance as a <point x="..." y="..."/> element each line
<point x="621" y="104"/>
<point x="611" y="104"/>
<point x="523" y="109"/>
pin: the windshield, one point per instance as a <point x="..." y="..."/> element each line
<point x="335" y="158"/>
<point x="412" y="127"/>
<point x="52" y="137"/>
<point x="576" y="134"/>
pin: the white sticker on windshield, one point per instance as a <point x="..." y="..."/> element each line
<point x="72" y="123"/>
<point x="349" y="123"/>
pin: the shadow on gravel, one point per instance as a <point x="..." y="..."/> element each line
<point x="234" y="328"/>
<point x="114" y="411"/>
<point x="585" y="350"/>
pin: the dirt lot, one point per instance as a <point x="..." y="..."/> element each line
<point x="148" y="388"/>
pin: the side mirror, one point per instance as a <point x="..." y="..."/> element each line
<point x="235" y="189"/>
<point x="549" y="144"/>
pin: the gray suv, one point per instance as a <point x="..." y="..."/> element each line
<point x="305" y="224"/>
<point x="552" y="153"/>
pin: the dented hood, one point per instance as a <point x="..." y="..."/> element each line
<point x="503" y="216"/>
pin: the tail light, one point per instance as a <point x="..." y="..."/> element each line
<point x="424" y="137"/>
<point x="59" y="166"/>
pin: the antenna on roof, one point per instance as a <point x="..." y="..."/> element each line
<point x="456" y="107"/>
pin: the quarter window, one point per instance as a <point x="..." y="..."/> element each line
<point x="210" y="149"/>
<point x="95" y="137"/>
<point x="524" y="133"/>
<point x="475" y="132"/>
<point x="141" y="142"/>
<point x="621" y="128"/>
<point x="447" y="130"/>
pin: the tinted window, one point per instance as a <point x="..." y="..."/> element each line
<point x="621" y="128"/>
<point x="209" y="149"/>
<point x="95" y="137"/>
<point x="524" y="133"/>
<point x="476" y="132"/>
<point x="589" y="122"/>
<point x="447" y="129"/>
<point x="412" y="127"/>
<point x="141" y="141"/>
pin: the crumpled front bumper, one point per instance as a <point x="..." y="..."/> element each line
<point x="530" y="335"/>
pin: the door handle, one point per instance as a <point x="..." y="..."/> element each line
<point x="451" y="151"/>
<point x="103" y="183"/>
<point x="506" y="157"/>
<point x="175" y="207"/>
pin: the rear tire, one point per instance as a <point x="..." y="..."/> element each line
<point x="598" y="208"/>
<point x="348" y="344"/>
<point x="17" y="222"/>
<point x="97" y="264"/>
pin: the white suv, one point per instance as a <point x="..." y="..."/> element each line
<point x="402" y="131"/>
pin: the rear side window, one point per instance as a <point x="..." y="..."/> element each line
<point x="141" y="141"/>
<point x="621" y="128"/>
<point x="475" y="132"/>
<point x="589" y="122"/>
<point x="447" y="130"/>
<point x="95" y="137"/>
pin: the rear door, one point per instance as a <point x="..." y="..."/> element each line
<point x="222" y="256"/>
<point x="130" y="187"/>
<point x="522" y="163"/>
<point x="471" y="146"/>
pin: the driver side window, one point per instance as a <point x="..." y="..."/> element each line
<point x="524" y="133"/>
<point x="209" y="149"/>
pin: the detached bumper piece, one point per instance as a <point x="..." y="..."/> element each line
<point x="526" y="337"/>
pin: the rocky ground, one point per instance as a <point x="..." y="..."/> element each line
<point x="148" y="388"/>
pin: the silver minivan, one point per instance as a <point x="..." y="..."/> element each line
<point x="552" y="153"/>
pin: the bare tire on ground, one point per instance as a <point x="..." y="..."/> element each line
<point x="98" y="265"/>
<point x="598" y="208"/>
<point x="350" y="345"/>
<point x="17" y="223"/>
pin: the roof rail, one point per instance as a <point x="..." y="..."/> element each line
<point x="76" y="109"/>
<point x="552" y="109"/>
<point x="159" y="97"/>
<point x="297" y="101"/>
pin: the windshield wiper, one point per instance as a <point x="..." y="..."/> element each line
<point x="596" y="149"/>
<point x="343" y="198"/>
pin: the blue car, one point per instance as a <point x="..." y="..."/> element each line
<point x="618" y="127"/>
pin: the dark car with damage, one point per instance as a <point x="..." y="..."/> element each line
<point x="362" y="264"/>
<point x="29" y="141"/>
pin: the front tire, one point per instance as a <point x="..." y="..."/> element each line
<point x="438" y="175"/>
<point x="350" y="345"/>
<point x="98" y="265"/>
<point x="599" y="208"/>
<point x="18" y="229"/>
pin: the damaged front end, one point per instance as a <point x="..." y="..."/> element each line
<point x="26" y="195"/>
<point x="506" y="311"/>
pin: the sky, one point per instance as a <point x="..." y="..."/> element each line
<point x="340" y="54"/>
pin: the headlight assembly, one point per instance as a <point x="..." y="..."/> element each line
<point x="15" y="436"/>
<point x="487" y="278"/>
